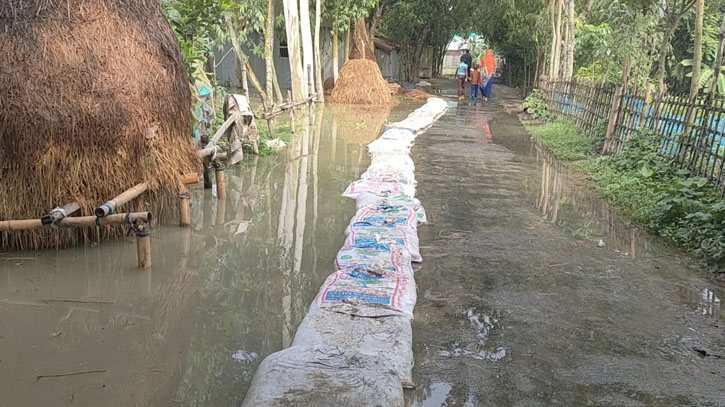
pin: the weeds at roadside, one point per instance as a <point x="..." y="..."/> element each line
<point x="684" y="210"/>
<point x="565" y="142"/>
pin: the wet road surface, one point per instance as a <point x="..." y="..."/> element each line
<point x="517" y="306"/>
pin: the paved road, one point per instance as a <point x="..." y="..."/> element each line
<point x="517" y="306"/>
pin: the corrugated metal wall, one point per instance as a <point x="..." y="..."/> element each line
<point x="228" y="73"/>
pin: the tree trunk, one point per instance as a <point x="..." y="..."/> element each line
<point x="269" y="52"/>
<point x="569" y="68"/>
<point x="292" y="27"/>
<point x="414" y="62"/>
<point x="277" y="88"/>
<point x="308" y="53"/>
<point x="335" y="54"/>
<point x="587" y="9"/>
<point x="374" y="19"/>
<point x="664" y="50"/>
<point x="697" y="50"/>
<point x="318" y="57"/>
<point x="554" y="37"/>
<point x="252" y="76"/>
<point x="347" y="40"/>
<point x="557" y="49"/>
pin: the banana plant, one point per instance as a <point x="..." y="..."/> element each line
<point x="706" y="77"/>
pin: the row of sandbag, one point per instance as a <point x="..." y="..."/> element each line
<point x="354" y="347"/>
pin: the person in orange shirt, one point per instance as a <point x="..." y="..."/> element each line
<point x="488" y="64"/>
<point x="475" y="81"/>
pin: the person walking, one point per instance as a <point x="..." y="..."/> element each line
<point x="488" y="65"/>
<point x="475" y="82"/>
<point x="468" y="60"/>
<point x="462" y="76"/>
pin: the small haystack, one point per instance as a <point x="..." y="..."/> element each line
<point x="417" y="94"/>
<point x="362" y="47"/>
<point x="394" y="89"/>
<point x="361" y="83"/>
<point x="95" y="99"/>
<point x="360" y="124"/>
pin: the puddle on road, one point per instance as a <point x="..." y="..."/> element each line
<point x="564" y="199"/>
<point x="221" y="296"/>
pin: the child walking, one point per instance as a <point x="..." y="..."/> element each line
<point x="475" y="81"/>
<point x="462" y="76"/>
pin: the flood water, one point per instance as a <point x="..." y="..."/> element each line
<point x="221" y="296"/>
<point x="535" y="293"/>
<point x="519" y="304"/>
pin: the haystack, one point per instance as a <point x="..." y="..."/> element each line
<point x="417" y="94"/>
<point x="95" y="99"/>
<point x="394" y="88"/>
<point x="361" y="83"/>
<point x="362" y="47"/>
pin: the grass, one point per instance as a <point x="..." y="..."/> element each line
<point x="282" y="131"/>
<point x="563" y="140"/>
<point x="648" y="188"/>
<point x="685" y="210"/>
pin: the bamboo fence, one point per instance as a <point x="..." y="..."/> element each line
<point x="691" y="132"/>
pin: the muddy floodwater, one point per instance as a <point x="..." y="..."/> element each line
<point x="84" y="327"/>
<point x="533" y="292"/>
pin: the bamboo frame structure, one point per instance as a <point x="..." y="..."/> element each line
<point x="77" y="222"/>
<point x="109" y="207"/>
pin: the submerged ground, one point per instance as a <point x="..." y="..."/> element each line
<point x="518" y="305"/>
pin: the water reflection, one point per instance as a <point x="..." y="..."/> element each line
<point x="221" y="296"/>
<point x="565" y="200"/>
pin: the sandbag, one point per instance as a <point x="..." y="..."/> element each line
<point x="397" y="257"/>
<point x="324" y="376"/>
<point x="386" y="335"/>
<point x="371" y="200"/>
<point x="378" y="188"/>
<point x="362" y="287"/>
<point x="370" y="236"/>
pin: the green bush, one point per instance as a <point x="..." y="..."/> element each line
<point x="564" y="141"/>
<point x="685" y="210"/>
<point x="535" y="105"/>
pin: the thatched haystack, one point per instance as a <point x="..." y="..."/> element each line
<point x="361" y="83"/>
<point x="94" y="99"/>
<point x="362" y="47"/>
<point x="360" y="124"/>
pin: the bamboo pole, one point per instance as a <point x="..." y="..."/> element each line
<point x="221" y="189"/>
<point x="143" y="248"/>
<point x="291" y="113"/>
<point x="645" y="106"/>
<point x="270" y="119"/>
<point x="208" y="151"/>
<point x="184" y="209"/>
<point x="110" y="207"/>
<point x="191" y="178"/>
<point x="78" y="222"/>
<point x="220" y="132"/>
